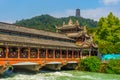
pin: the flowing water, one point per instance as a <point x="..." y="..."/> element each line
<point x="60" y="75"/>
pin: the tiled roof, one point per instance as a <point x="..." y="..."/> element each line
<point x="87" y="44"/>
<point x="69" y="27"/>
<point x="11" y="27"/>
<point x="77" y="34"/>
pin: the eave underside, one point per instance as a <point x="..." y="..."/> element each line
<point x="10" y="27"/>
<point x="34" y="42"/>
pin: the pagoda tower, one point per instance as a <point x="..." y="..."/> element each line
<point x="78" y="13"/>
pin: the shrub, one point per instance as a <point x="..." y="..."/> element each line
<point x="113" y="66"/>
<point x="91" y="64"/>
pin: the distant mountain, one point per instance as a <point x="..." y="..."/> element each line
<point x="47" y="22"/>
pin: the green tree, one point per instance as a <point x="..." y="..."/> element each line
<point x="117" y="47"/>
<point x="108" y="34"/>
<point x="47" y="22"/>
<point x="113" y="66"/>
<point x="91" y="64"/>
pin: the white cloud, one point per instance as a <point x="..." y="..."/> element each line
<point x="94" y="13"/>
<point x="97" y="13"/>
<point x="63" y="14"/>
<point x="89" y="13"/>
<point x="8" y="21"/>
<point x="107" y="2"/>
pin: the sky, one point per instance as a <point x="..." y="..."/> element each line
<point x="12" y="10"/>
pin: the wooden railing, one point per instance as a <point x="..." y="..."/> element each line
<point x="40" y="56"/>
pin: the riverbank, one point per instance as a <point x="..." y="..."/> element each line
<point x="60" y="75"/>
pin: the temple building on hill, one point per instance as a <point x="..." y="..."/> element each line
<point x="80" y="35"/>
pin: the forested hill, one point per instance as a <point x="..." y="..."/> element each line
<point x="47" y="22"/>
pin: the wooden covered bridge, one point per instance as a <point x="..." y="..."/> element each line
<point x="33" y="49"/>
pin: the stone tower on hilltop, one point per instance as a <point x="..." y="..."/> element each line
<point x="78" y="13"/>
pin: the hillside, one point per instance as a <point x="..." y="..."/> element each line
<point x="47" y="22"/>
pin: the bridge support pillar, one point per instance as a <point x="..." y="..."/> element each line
<point x="1" y="70"/>
<point x="53" y="66"/>
<point x="71" y="66"/>
<point x="28" y="67"/>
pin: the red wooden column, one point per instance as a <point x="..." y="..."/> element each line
<point x="38" y="53"/>
<point x="78" y="55"/>
<point x="67" y="54"/>
<point x="6" y="51"/>
<point x="18" y="52"/>
<point x="89" y="52"/>
<point x="54" y="53"/>
<point x="29" y="53"/>
<point x="61" y="54"/>
<point x="72" y="54"/>
<point x="46" y="53"/>
<point x="81" y="54"/>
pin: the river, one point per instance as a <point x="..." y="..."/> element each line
<point x="60" y="75"/>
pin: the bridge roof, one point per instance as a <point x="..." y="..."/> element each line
<point x="11" y="27"/>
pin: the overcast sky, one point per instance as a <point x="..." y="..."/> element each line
<point x="12" y="10"/>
